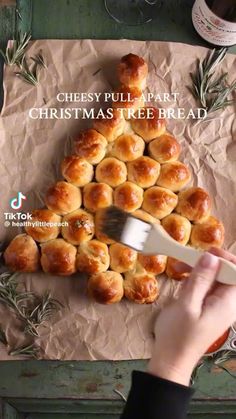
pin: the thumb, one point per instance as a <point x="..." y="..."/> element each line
<point x="200" y="281"/>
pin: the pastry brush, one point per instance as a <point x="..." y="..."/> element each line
<point x="152" y="239"/>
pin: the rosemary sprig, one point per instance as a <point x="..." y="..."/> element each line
<point x="26" y="74"/>
<point x="27" y="351"/>
<point x="215" y="360"/>
<point x="212" y="93"/>
<point x="15" y="50"/>
<point x="39" y="60"/>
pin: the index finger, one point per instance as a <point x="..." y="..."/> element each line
<point x="223" y="254"/>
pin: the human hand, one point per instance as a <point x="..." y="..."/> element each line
<point x="187" y="327"/>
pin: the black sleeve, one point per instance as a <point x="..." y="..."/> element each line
<point x="152" y="397"/>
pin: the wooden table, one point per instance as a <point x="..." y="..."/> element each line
<point x="85" y="390"/>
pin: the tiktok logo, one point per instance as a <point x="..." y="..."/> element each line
<point x="16" y="203"/>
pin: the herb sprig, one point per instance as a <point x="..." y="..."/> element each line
<point x="212" y="92"/>
<point x="215" y="360"/>
<point x="15" y="50"/>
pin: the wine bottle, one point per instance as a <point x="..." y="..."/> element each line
<point x="215" y="21"/>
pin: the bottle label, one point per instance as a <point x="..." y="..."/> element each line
<point x="211" y="27"/>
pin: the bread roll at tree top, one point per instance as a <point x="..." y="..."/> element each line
<point x="142" y="288"/>
<point x="159" y="202"/>
<point x="177" y="270"/>
<point x="58" y="257"/>
<point x="111" y="171"/>
<point x="165" y="148"/>
<point x="128" y="147"/>
<point x="128" y="196"/>
<point x="106" y="287"/>
<point x="42" y="233"/>
<point x="111" y="126"/>
<point x="155" y="264"/>
<point x="145" y="216"/>
<point x="174" y="176"/>
<point x="194" y="204"/>
<point x="92" y="257"/>
<point x="77" y="170"/>
<point x="178" y="227"/>
<point x="80" y="227"/>
<point x="148" y="123"/>
<point x="132" y="71"/>
<point x="122" y="258"/>
<point x="22" y="254"/>
<point x="99" y="216"/>
<point x="91" y="145"/>
<point x="209" y="233"/>
<point x="127" y="98"/>
<point x="63" y="197"/>
<point x="143" y="171"/>
<point x="97" y="195"/>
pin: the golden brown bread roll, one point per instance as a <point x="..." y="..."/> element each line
<point x="91" y="145"/>
<point x="178" y="227"/>
<point x="77" y="170"/>
<point x="99" y="216"/>
<point x="164" y="149"/>
<point x="97" y="195"/>
<point x="148" y="124"/>
<point x="58" y="257"/>
<point x="128" y="196"/>
<point x="143" y="171"/>
<point x="194" y="204"/>
<point x="176" y="269"/>
<point x="79" y="227"/>
<point x="92" y="257"/>
<point x="159" y="202"/>
<point x="128" y="147"/>
<point x="142" y="288"/>
<point x="132" y="71"/>
<point x="174" y="176"/>
<point x="145" y="216"/>
<point x="155" y="264"/>
<point x="22" y="254"/>
<point x="122" y="258"/>
<point x="106" y="287"/>
<point x="127" y="98"/>
<point x="110" y="126"/>
<point x="111" y="171"/>
<point x="63" y="198"/>
<point x="209" y="233"/>
<point x="42" y="233"/>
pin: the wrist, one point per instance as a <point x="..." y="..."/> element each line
<point x="170" y="371"/>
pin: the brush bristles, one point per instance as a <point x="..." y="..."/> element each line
<point x="113" y="222"/>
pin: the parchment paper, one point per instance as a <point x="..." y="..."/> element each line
<point x="31" y="151"/>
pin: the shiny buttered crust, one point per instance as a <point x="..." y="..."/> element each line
<point x="145" y="216"/>
<point x="78" y="227"/>
<point x="164" y="149"/>
<point x="106" y="287"/>
<point x="126" y="98"/>
<point x="155" y="264"/>
<point x="110" y="126"/>
<point x="174" y="176"/>
<point x="148" y="124"/>
<point x="42" y="233"/>
<point x="111" y="171"/>
<point x="99" y="216"/>
<point x="178" y="227"/>
<point x="143" y="171"/>
<point x="128" y="196"/>
<point x="22" y="254"/>
<point x="63" y="197"/>
<point x="77" y="170"/>
<point x="194" y="204"/>
<point x="176" y="269"/>
<point x="128" y="147"/>
<point x="58" y="257"/>
<point x="97" y="195"/>
<point x="209" y="233"/>
<point x="122" y="258"/>
<point x="141" y="288"/>
<point x="132" y="71"/>
<point x="159" y="202"/>
<point x="91" y="145"/>
<point x="92" y="257"/>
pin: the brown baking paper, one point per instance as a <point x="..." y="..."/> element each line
<point x="31" y="152"/>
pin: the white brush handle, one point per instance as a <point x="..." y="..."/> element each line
<point x="160" y="242"/>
